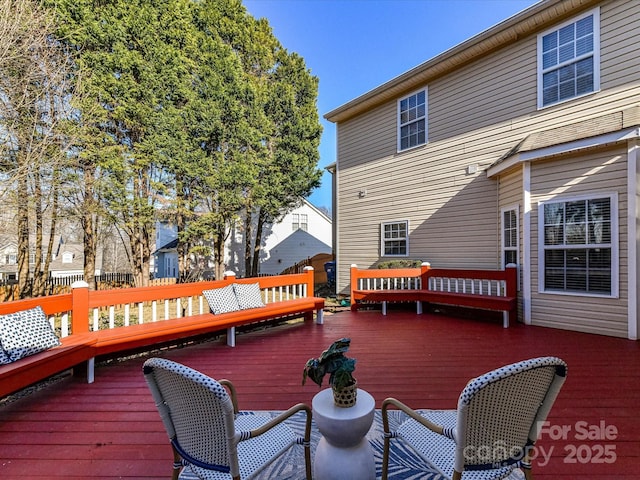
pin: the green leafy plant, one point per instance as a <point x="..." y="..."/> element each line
<point x="333" y="362"/>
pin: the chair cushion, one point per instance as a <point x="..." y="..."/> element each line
<point x="221" y="300"/>
<point x="26" y="333"/>
<point x="439" y="451"/>
<point x="254" y="453"/>
<point x="248" y="295"/>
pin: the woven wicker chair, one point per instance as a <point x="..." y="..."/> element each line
<point x="210" y="438"/>
<point x="494" y="428"/>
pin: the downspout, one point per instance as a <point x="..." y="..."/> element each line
<point x="633" y="216"/>
<point x="526" y="242"/>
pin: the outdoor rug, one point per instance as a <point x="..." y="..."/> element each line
<point x="403" y="463"/>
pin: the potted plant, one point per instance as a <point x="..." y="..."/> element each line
<point x="340" y="369"/>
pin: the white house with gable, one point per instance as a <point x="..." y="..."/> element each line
<point x="302" y="233"/>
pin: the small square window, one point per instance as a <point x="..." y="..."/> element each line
<point x="395" y="239"/>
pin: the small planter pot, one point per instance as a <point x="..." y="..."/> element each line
<point x="346" y="397"/>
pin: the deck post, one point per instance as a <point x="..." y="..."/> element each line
<point x="354" y="285"/>
<point x="310" y="283"/>
<point x="424" y="280"/>
<point x="79" y="307"/>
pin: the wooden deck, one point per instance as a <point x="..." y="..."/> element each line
<point x="111" y="429"/>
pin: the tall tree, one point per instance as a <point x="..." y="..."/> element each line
<point x="35" y="106"/>
<point x="289" y="168"/>
<point x="133" y="65"/>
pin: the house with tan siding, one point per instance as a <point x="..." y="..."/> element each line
<point x="519" y="145"/>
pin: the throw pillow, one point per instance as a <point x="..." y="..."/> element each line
<point x="248" y="295"/>
<point x="27" y="334"/>
<point x="221" y="300"/>
<point x="10" y="317"/>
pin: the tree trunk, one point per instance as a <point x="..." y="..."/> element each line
<point x="257" y="246"/>
<point x="89" y="227"/>
<point x="38" y="275"/>
<point x="248" y="242"/>
<point x="218" y="256"/>
<point x="183" y="267"/>
<point x="24" y="290"/>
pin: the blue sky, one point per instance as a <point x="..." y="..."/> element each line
<point x="353" y="46"/>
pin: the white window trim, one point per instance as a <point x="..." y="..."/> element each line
<point x="426" y="120"/>
<point x="502" y="212"/>
<point x="615" y="245"/>
<point x="596" y="57"/>
<point x="382" y="244"/>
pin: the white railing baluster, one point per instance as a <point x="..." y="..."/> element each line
<point x="127" y="308"/>
<point x="64" y="324"/>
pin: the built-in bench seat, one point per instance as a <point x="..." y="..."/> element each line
<point x="137" y="336"/>
<point x="75" y="352"/>
<point x="284" y="296"/>
<point x="471" y="288"/>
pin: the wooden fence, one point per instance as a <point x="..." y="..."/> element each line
<point x="59" y="285"/>
<point x="317" y="262"/>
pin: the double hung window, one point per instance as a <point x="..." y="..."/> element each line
<point x="412" y="120"/>
<point x="569" y="60"/>
<point x="299" y="221"/>
<point x="509" y="236"/>
<point x="578" y="245"/>
<point x="394" y="239"/>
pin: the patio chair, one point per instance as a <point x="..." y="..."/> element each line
<point x="494" y="429"/>
<point x="210" y="438"/>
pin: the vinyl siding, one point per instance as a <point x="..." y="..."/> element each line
<point x="600" y="172"/>
<point x="510" y="195"/>
<point x="475" y="114"/>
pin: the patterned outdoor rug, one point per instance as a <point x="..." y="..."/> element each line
<point x="403" y="463"/>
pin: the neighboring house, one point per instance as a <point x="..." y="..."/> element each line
<point x="67" y="259"/>
<point x="519" y="145"/>
<point x="301" y="234"/>
<point x="164" y="261"/>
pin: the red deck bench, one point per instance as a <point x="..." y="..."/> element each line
<point x="138" y="336"/>
<point x="79" y="349"/>
<point x="471" y="288"/>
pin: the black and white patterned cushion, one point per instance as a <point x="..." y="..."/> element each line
<point x="221" y="300"/>
<point x="26" y="333"/>
<point x="10" y="317"/>
<point x="248" y="295"/>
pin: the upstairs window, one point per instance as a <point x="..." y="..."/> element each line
<point x="299" y="221"/>
<point x="412" y="120"/>
<point x="579" y="238"/>
<point x="394" y="239"/>
<point x="67" y="257"/>
<point x="569" y="60"/>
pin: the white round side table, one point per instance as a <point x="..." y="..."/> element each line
<point x="343" y="452"/>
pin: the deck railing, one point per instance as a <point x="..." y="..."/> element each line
<point x="85" y="310"/>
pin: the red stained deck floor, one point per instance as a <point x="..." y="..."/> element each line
<point x="111" y="429"/>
